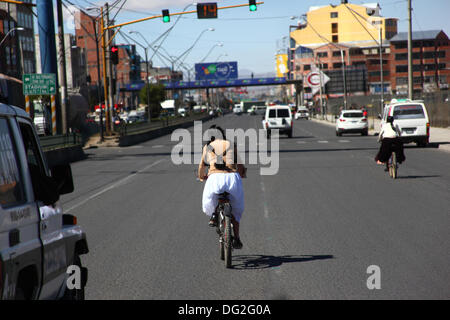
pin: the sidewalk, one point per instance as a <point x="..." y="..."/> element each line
<point x="439" y="137"/>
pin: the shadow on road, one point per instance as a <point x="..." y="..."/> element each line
<point x="257" y="262"/>
<point x="417" y="177"/>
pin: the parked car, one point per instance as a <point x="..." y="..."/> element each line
<point x="38" y="241"/>
<point x="352" y="121"/>
<point x="302" y="113"/>
<point x="278" y="117"/>
<point x="411" y="117"/>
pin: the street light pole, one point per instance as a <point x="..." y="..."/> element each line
<point x="410" y="70"/>
<point x="10" y="31"/>
<point x="381" y="70"/>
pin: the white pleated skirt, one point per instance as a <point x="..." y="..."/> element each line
<point x="219" y="183"/>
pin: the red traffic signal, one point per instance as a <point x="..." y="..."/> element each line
<point x="114" y="54"/>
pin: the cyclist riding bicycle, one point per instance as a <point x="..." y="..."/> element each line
<point x="390" y="142"/>
<point x="224" y="175"/>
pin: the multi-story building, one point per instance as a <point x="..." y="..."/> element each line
<point x="76" y="71"/>
<point x="346" y="23"/>
<point x="430" y="59"/>
<point x="17" y="50"/>
<point x="356" y="31"/>
<point x="87" y="35"/>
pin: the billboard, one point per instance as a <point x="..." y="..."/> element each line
<point x="282" y="65"/>
<point x="216" y="71"/>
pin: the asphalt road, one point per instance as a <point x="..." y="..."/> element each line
<point x="309" y="232"/>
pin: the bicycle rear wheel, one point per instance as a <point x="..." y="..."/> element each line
<point x="227" y="242"/>
<point x="394" y="165"/>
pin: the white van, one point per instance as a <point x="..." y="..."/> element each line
<point x="278" y="117"/>
<point x="412" y="119"/>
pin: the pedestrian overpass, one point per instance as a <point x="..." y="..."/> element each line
<point x="210" y="84"/>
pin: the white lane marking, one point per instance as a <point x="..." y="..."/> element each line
<point x="266" y="210"/>
<point x="344" y="141"/>
<point x="114" y="185"/>
<point x="158" y="146"/>
<point x="322" y="141"/>
<point x="301" y="142"/>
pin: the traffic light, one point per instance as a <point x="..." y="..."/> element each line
<point x="114" y="54"/>
<point x="166" y="16"/>
<point x="252" y="5"/>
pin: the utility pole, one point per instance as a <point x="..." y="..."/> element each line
<point x="105" y="85"/>
<point x="344" y="75"/>
<point x="110" y="73"/>
<point x="381" y="70"/>
<point x="99" y="89"/>
<point x="62" y="68"/>
<point x="410" y="70"/>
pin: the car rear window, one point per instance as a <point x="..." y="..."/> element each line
<point x="409" y="112"/>
<point x="283" y="113"/>
<point x="272" y="113"/>
<point x="352" y="115"/>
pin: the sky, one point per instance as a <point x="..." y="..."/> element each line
<point x="250" y="38"/>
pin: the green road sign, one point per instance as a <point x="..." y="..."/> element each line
<point x="37" y="84"/>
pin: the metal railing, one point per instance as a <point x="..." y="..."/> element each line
<point x="60" y="141"/>
<point x="135" y="128"/>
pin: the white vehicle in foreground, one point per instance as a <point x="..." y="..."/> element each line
<point x="352" y="121"/>
<point x="302" y="113"/>
<point x="278" y="117"/>
<point x="40" y="245"/>
<point x="411" y="117"/>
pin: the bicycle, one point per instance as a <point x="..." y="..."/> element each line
<point x="224" y="228"/>
<point x="393" y="166"/>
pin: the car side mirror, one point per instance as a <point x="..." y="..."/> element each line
<point x="379" y="116"/>
<point x="62" y="175"/>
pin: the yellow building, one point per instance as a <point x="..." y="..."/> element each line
<point x="346" y="23"/>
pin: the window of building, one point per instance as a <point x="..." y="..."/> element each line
<point x="442" y="79"/>
<point x="429" y="67"/>
<point x="333" y="14"/>
<point x="325" y="66"/>
<point x="359" y="63"/>
<point x="306" y="67"/>
<point x="322" y="54"/>
<point x="401" y="56"/>
<point x="334" y="28"/>
<point x="401" y="68"/>
<point x="335" y="39"/>
<point x="356" y="52"/>
<point x="338" y="53"/>
<point x="441" y="66"/>
<point x="401" y="81"/>
<point x="417" y="80"/>
<point x="440" y="54"/>
<point x="337" y="65"/>
<point x="401" y="45"/>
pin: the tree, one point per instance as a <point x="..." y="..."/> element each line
<point x="157" y="95"/>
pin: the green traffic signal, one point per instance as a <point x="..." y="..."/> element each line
<point x="252" y="5"/>
<point x="253" y="8"/>
<point x="166" y="16"/>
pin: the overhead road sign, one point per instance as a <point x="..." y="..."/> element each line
<point x="39" y="84"/>
<point x="216" y="71"/>
<point x="203" y="84"/>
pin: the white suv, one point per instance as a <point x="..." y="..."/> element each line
<point x="278" y="117"/>
<point x="352" y="121"/>
<point x="412" y="119"/>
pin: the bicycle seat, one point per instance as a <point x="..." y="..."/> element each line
<point x="223" y="196"/>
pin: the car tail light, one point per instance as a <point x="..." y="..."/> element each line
<point x="342" y="120"/>
<point x="428" y="129"/>
<point x="69" y="220"/>
<point x="364" y="120"/>
<point x="267" y="125"/>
